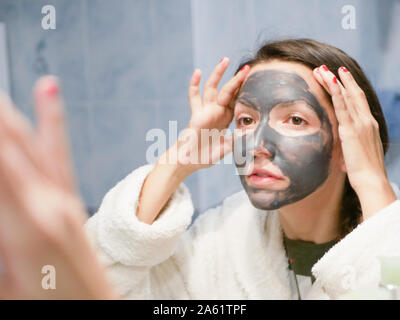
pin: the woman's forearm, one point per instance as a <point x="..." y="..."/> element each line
<point x="159" y="185"/>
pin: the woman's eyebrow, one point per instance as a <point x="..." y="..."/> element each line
<point x="294" y="102"/>
<point x="247" y="103"/>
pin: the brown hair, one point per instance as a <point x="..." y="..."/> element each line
<point x="313" y="54"/>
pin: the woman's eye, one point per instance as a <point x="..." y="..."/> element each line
<point x="297" y="121"/>
<point x="245" y="121"/>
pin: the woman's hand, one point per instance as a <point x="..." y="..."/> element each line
<point x="41" y="215"/>
<point x="360" y="139"/>
<point x="211" y="115"/>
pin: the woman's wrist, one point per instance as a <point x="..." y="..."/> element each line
<point x="376" y="196"/>
<point x="170" y="160"/>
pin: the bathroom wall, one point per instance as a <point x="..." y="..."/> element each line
<point x="125" y="66"/>
<point x="4" y="79"/>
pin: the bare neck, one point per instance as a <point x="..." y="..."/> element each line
<point x="316" y="217"/>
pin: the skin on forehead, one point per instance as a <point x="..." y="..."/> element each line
<point x="291" y="67"/>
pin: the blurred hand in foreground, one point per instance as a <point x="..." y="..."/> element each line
<point x="41" y="213"/>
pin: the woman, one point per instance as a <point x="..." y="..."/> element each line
<point x="314" y="180"/>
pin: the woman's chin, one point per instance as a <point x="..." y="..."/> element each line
<point x="265" y="200"/>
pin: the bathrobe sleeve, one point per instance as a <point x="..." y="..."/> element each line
<point x="353" y="263"/>
<point x="126" y="245"/>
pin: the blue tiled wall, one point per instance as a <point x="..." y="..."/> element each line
<point x="125" y="66"/>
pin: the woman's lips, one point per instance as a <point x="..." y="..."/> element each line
<point x="259" y="181"/>
<point x="261" y="178"/>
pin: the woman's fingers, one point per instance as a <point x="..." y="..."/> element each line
<point x="46" y="151"/>
<point x="354" y="91"/>
<point x="347" y="79"/>
<point x="342" y="114"/>
<point x="16" y="129"/>
<point x="230" y="88"/>
<point x="227" y="92"/>
<point x="52" y="131"/>
<point x="17" y="176"/>
<point x="211" y="86"/>
<point x="321" y="81"/>
<point x="331" y="81"/>
<point x="194" y="90"/>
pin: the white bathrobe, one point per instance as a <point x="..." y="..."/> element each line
<point x="233" y="251"/>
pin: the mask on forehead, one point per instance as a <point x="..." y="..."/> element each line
<point x="303" y="159"/>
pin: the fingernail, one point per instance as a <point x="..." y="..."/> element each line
<point x="52" y="90"/>
<point x="334" y="80"/>
<point x="325" y="67"/>
<point x="222" y="59"/>
<point x="244" y="67"/>
<point x="344" y="69"/>
<point x="47" y="88"/>
<point x="51" y="87"/>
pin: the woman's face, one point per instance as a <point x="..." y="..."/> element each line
<point x="286" y="137"/>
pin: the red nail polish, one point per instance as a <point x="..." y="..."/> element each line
<point x="325" y="68"/>
<point x="344" y="69"/>
<point x="52" y="90"/>
<point x="222" y="59"/>
<point x="243" y="67"/>
<point x="334" y="80"/>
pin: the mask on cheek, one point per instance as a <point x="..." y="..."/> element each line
<point x="304" y="160"/>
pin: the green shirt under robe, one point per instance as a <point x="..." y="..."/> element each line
<point x="302" y="256"/>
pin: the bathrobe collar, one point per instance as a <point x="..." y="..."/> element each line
<point x="260" y="261"/>
<point x="256" y="247"/>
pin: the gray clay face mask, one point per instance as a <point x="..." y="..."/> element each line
<point x="304" y="159"/>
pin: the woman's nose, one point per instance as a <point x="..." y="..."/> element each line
<point x="263" y="151"/>
<point x="264" y="141"/>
